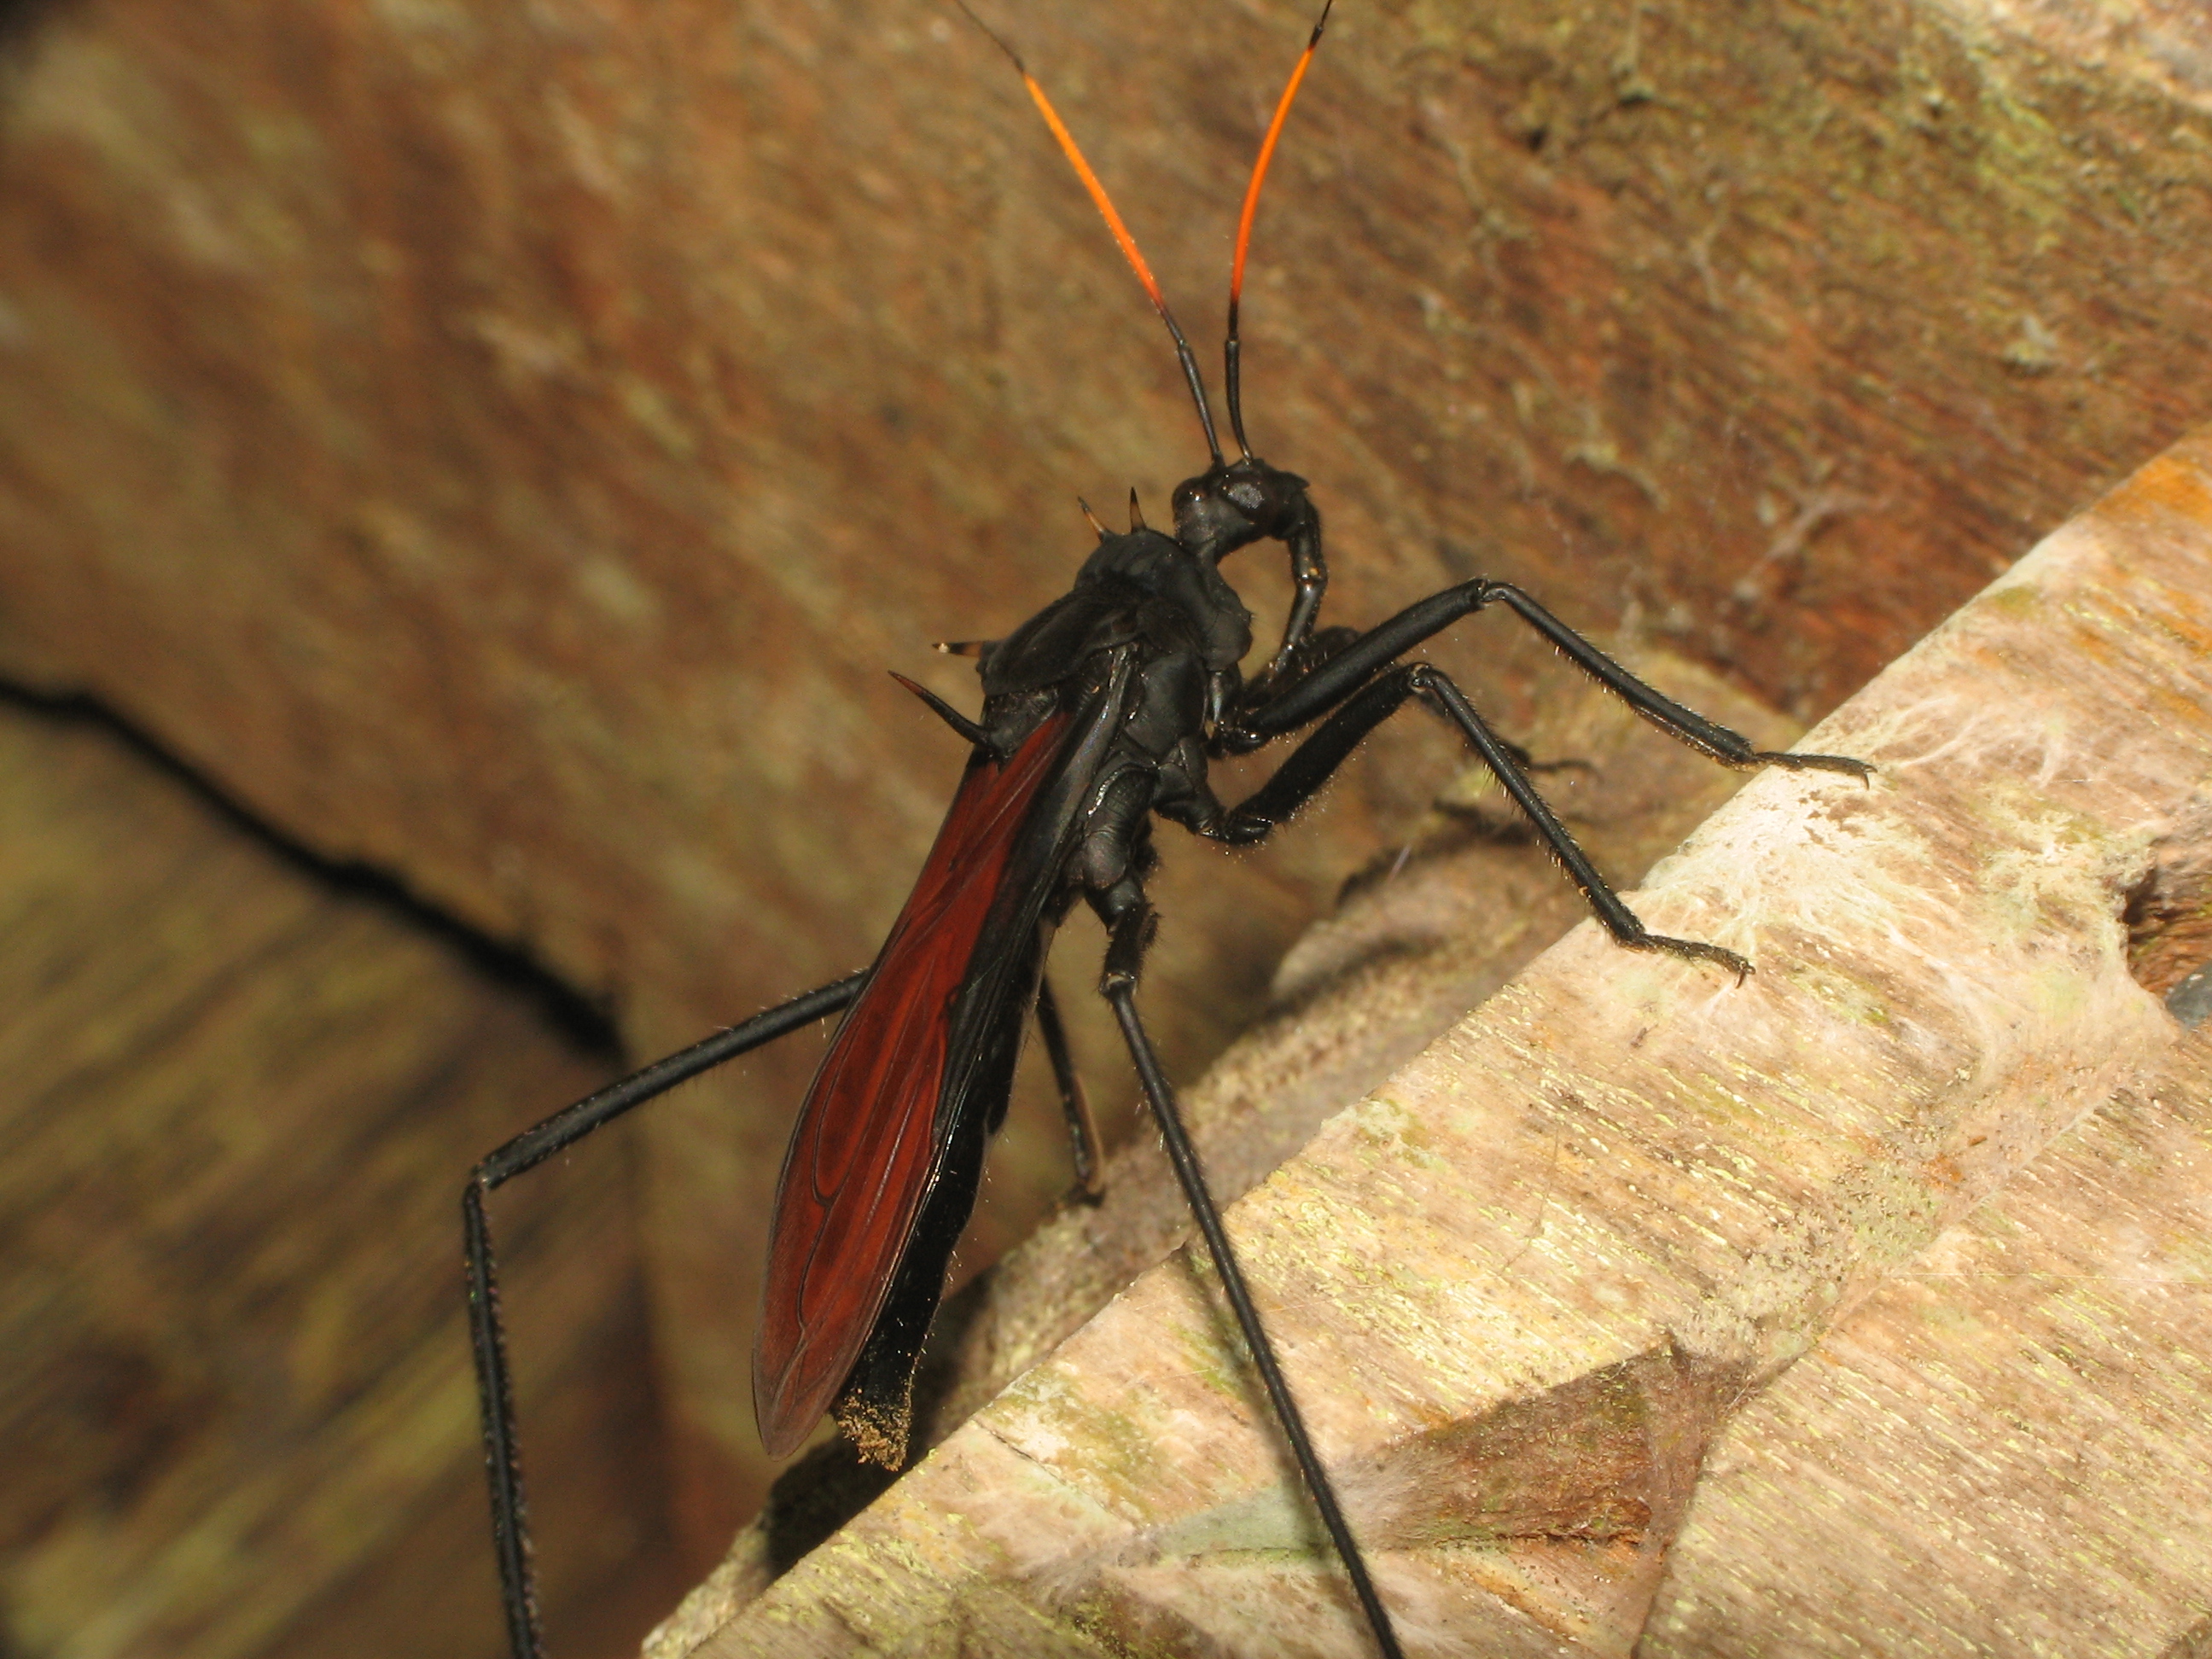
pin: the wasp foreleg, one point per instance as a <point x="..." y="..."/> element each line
<point x="1311" y="764"/>
<point x="1347" y="670"/>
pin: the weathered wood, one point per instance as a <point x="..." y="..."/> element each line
<point x="1853" y="1308"/>
<point x="509" y="443"/>
<point x="236" y="1417"/>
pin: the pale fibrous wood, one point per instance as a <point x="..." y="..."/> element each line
<point x="1852" y="1308"/>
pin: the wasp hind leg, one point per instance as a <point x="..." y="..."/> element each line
<point x="1131" y="921"/>
<point x="488" y="1338"/>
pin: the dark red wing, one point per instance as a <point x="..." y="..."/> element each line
<point x="863" y="1153"/>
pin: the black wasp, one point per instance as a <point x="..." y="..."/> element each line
<point x="1099" y="713"/>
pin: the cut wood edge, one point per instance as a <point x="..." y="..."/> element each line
<point x="1548" y="1293"/>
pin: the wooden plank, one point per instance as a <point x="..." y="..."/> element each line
<point x="238" y="1416"/>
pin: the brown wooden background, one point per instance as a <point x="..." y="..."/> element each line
<point x="505" y="445"/>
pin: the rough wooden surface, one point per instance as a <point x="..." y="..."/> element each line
<point x="509" y="443"/>
<point x="236" y="1417"/>
<point x="1854" y="1309"/>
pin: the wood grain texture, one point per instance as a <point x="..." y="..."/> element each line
<point x="508" y="444"/>
<point x="237" y="1417"/>
<point x="1852" y="1309"/>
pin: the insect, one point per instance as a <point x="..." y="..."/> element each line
<point x="1099" y="713"/>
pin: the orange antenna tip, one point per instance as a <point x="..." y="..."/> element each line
<point x="1105" y="202"/>
<point x="1106" y="210"/>
<point x="1232" y="348"/>
<point x="1069" y="148"/>
<point x="1267" y="153"/>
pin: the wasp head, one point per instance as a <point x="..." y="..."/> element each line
<point x="1234" y="503"/>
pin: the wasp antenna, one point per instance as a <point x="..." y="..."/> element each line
<point x="1103" y="532"/>
<point x="1121" y="237"/>
<point x="1232" y="351"/>
<point x="961" y="647"/>
<point x="1136" y="512"/>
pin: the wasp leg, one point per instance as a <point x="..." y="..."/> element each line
<point x="1312" y="761"/>
<point x="495" y="1391"/>
<point x="1075" y="1104"/>
<point x="1131" y="921"/>
<point x="1346" y="671"/>
<point x="1308" y="581"/>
